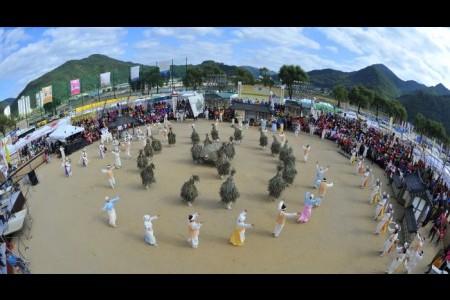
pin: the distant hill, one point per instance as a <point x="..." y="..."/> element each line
<point x="4" y="103"/>
<point x="87" y="69"/>
<point x="436" y="107"/>
<point x="256" y="73"/>
<point x="377" y="77"/>
<point x="432" y="101"/>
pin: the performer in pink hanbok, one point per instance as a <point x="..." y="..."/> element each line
<point x="309" y="202"/>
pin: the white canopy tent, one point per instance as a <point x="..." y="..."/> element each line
<point x="38" y="133"/>
<point x="63" y="132"/>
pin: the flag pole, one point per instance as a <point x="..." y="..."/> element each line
<point x="171" y="74"/>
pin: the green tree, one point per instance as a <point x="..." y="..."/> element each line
<point x="6" y="123"/>
<point x="194" y="78"/>
<point x="266" y="80"/>
<point x="212" y="74"/>
<point x="340" y="93"/>
<point x="420" y="122"/>
<point x="361" y="96"/>
<point x="151" y="77"/>
<point x="244" y="75"/>
<point x="290" y="74"/>
<point x="379" y="101"/>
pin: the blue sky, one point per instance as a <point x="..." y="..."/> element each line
<point x="420" y="54"/>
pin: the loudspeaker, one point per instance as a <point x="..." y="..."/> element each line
<point x="33" y="178"/>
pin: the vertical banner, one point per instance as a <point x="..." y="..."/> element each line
<point x="74" y="87"/>
<point x="27" y="105"/>
<point x="48" y="97"/>
<point x="197" y="103"/>
<point x="164" y="68"/>
<point x="7" y="111"/>
<point x="174" y="104"/>
<point x="38" y="100"/>
<point x="105" y="79"/>
<point x="134" y="73"/>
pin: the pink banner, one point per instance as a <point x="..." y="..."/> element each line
<point x="74" y="87"/>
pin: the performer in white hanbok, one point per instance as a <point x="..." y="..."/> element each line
<point x="84" y="158"/>
<point x="115" y="143"/>
<point x="148" y="130"/>
<point x="358" y="167"/>
<point x="118" y="162"/>
<point x="324" y="132"/>
<point x="418" y="243"/>
<point x="148" y="226"/>
<point x="385" y="220"/>
<point x="67" y="167"/>
<point x="128" y="148"/>
<point x="396" y="263"/>
<point x="194" y="229"/>
<point x="63" y="154"/>
<point x="375" y="195"/>
<point x="381" y="207"/>
<point x="109" y="207"/>
<point x="411" y="263"/>
<point x="306" y="150"/>
<point x="282" y="138"/>
<point x="365" y="178"/>
<point x="319" y="175"/>
<point x="312" y="127"/>
<point x="353" y="156"/>
<point x="389" y="245"/>
<point x="238" y="237"/>
<point x="139" y="134"/>
<point x="101" y="150"/>
<point x="109" y="174"/>
<point x="281" y="218"/>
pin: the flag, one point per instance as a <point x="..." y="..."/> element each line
<point x="74" y="87"/>
<point x="48" y="97"/>
<point x="105" y="79"/>
<point x="164" y="68"/>
<point x="8" y="157"/>
<point x="134" y="73"/>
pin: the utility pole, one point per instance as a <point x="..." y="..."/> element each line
<point x="186" y="74"/>
<point x="171" y="74"/>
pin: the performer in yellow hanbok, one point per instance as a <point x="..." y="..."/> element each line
<point x="238" y="237"/>
<point x="375" y="195"/>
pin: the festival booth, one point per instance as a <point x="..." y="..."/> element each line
<point x="252" y="113"/>
<point x="222" y="100"/>
<point x="70" y="136"/>
<point x="122" y="124"/>
<point x="196" y="102"/>
<point x="414" y="196"/>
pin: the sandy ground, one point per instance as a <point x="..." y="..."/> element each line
<point x="70" y="233"/>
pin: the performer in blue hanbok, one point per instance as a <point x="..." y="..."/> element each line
<point x="109" y="207"/>
<point x="319" y="175"/>
<point x="263" y="123"/>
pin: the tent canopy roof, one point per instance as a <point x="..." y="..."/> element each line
<point x="120" y="121"/>
<point x="63" y="132"/>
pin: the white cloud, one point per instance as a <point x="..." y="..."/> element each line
<point x="10" y="40"/>
<point x="420" y="54"/>
<point x="182" y="33"/>
<point x="332" y="49"/>
<point x="56" y="46"/>
<point x="150" y="51"/>
<point x="276" y="56"/>
<point x="286" y="36"/>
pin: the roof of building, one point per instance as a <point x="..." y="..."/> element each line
<point x="251" y="107"/>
